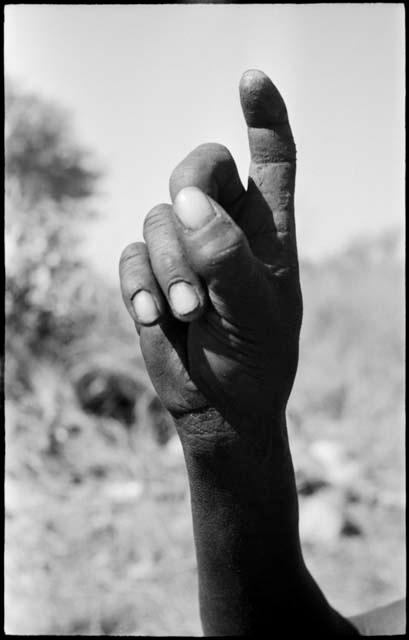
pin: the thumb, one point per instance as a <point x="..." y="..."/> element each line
<point x="218" y="251"/>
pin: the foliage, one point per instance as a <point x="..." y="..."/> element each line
<point x="42" y="154"/>
<point x="49" y="185"/>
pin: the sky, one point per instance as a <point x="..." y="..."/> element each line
<point x="146" y="84"/>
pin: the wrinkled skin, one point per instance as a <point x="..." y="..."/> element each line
<point x="238" y="352"/>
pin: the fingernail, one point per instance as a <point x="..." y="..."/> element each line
<point x="145" y="307"/>
<point x="183" y="298"/>
<point x="193" y="208"/>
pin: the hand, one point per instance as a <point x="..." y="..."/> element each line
<point x="215" y="290"/>
<point x="215" y="295"/>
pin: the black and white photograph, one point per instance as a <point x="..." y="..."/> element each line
<point x="204" y="346"/>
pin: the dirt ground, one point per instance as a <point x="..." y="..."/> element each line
<point x="98" y="525"/>
<point x="99" y="545"/>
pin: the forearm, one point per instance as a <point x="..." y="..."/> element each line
<point x="245" y="517"/>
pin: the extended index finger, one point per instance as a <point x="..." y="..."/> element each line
<point x="273" y="158"/>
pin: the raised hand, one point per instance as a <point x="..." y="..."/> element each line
<point x="214" y="291"/>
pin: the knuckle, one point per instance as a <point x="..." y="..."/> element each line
<point x="222" y="249"/>
<point x="157" y="219"/>
<point x="198" y="167"/>
<point x="180" y="177"/>
<point x="126" y="285"/>
<point x="213" y="149"/>
<point x="131" y="251"/>
<point x="233" y="239"/>
<point x="170" y="264"/>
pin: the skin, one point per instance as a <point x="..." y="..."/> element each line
<point x="225" y="369"/>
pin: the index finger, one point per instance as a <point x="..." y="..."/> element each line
<point x="273" y="157"/>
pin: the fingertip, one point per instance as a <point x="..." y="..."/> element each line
<point x="146" y="308"/>
<point x="187" y="304"/>
<point x="262" y="103"/>
<point x="252" y="76"/>
<point x="193" y="208"/>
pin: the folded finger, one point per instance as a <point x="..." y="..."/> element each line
<point x="140" y="291"/>
<point x="211" y="168"/>
<point x="218" y="251"/>
<point x="179" y="283"/>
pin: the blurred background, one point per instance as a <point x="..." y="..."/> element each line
<point x="101" y="103"/>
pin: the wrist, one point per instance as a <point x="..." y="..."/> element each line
<point x="243" y="467"/>
<point x="245" y="519"/>
<point x="209" y="432"/>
